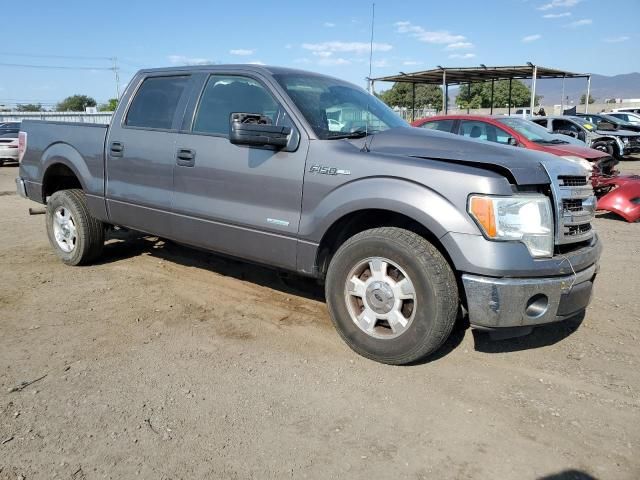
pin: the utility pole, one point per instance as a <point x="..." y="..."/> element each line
<point x="116" y="71"/>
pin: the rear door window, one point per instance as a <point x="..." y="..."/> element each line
<point x="155" y="103"/>
<point x="441" y="125"/>
<point x="483" y="131"/>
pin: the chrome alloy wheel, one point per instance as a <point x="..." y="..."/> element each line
<point x="64" y="229"/>
<point x="380" y="297"/>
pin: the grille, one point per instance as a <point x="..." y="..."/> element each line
<point x="575" y="230"/>
<point x="572" y="181"/>
<point x="574" y="209"/>
<point x="569" y="205"/>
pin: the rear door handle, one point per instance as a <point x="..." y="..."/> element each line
<point x="186" y="157"/>
<point x="116" y="149"/>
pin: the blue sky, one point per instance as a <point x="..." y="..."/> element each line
<point x="328" y="36"/>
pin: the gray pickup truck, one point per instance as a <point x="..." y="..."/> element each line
<point x="408" y="228"/>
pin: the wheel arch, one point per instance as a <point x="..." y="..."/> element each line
<point x="64" y="168"/>
<point x="360" y="220"/>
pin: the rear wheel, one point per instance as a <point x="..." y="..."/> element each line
<point x="392" y="296"/>
<point x="76" y="237"/>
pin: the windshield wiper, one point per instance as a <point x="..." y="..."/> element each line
<point x="558" y="141"/>
<point x="360" y="133"/>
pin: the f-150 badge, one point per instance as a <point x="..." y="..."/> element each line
<point x="328" y="170"/>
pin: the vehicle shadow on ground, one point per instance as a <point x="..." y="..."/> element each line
<point x="569" y="475"/>
<point x="124" y="244"/>
<point x="541" y="336"/>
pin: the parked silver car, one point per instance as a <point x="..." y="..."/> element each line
<point x="616" y="143"/>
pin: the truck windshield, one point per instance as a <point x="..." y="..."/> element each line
<point x="531" y="131"/>
<point x="336" y="109"/>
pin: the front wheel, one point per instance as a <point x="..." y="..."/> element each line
<point x="392" y="296"/>
<point x="76" y="236"/>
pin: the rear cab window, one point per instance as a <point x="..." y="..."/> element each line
<point x="155" y="102"/>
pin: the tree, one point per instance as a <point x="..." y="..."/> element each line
<point x="480" y="95"/>
<point x="110" y="106"/>
<point x="75" y="103"/>
<point x="400" y="95"/>
<point x="584" y="97"/>
<point x="29" y="107"/>
<point x="611" y="100"/>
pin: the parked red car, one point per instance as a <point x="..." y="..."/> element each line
<point x="616" y="193"/>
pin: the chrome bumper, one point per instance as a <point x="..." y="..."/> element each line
<point x="521" y="302"/>
<point x="21" y="187"/>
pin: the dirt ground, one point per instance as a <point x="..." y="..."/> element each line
<point x="164" y="362"/>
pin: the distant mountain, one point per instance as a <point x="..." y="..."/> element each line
<point x="602" y="87"/>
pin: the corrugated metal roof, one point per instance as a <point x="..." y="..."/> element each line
<point x="455" y="76"/>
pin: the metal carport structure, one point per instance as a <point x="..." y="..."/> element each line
<point x="446" y="76"/>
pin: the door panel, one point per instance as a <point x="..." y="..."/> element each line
<point x="140" y="153"/>
<point x="239" y="200"/>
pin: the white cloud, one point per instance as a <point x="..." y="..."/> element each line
<point x="382" y="63"/>
<point x="559" y="4"/>
<point x="256" y="62"/>
<point x="620" y="39"/>
<point x="331" y="62"/>
<point x="243" y="52"/>
<point x="557" y="15"/>
<point x="531" y="38"/>
<point x="329" y="24"/>
<point x="580" y="23"/>
<point x="459" y="46"/>
<point x="411" y="63"/>
<point x="184" y="60"/>
<point x="462" y="55"/>
<point x="358" y="48"/>
<point x="438" y="37"/>
<point x="302" y="60"/>
<point x="322" y="53"/>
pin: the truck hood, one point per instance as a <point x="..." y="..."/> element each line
<point x="525" y="167"/>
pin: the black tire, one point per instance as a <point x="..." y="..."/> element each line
<point x="89" y="239"/>
<point x="436" y="294"/>
<point x="605" y="147"/>
<point x="1" y="162"/>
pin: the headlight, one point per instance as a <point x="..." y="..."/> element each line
<point x="525" y="218"/>
<point x="580" y="161"/>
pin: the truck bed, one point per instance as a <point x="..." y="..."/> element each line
<point x="79" y="146"/>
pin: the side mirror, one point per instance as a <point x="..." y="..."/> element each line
<point x="512" y="141"/>
<point x="256" y="130"/>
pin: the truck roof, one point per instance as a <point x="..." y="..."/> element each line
<point x="264" y="69"/>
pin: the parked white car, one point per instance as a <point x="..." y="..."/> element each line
<point x="626" y="116"/>
<point x="9" y="142"/>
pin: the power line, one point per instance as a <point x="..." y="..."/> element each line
<point x="55" y="67"/>
<point x="31" y="55"/>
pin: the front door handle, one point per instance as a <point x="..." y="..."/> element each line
<point x="186" y="157"/>
<point x="116" y="148"/>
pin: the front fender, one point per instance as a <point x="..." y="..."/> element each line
<point x="426" y="206"/>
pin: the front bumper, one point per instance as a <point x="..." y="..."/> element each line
<point x="522" y="302"/>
